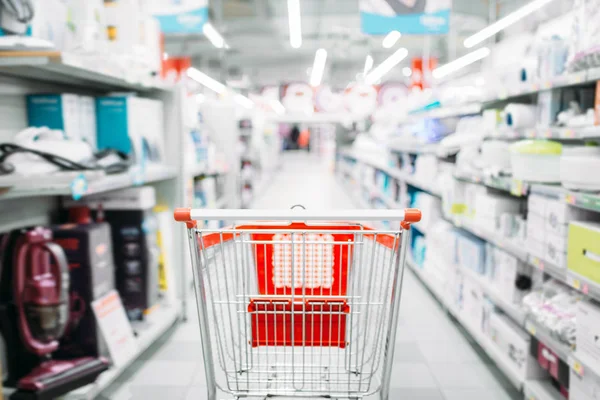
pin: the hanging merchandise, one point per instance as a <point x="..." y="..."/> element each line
<point x="298" y="98"/>
<point x="415" y="17"/>
<point x="360" y="99"/>
<point x="180" y="16"/>
<point x="34" y="313"/>
<point x="328" y="101"/>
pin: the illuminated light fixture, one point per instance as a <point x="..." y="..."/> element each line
<point x="505" y="22"/>
<point x="406" y="71"/>
<point x="200" y="98"/>
<point x="243" y="101"/>
<point x="165" y="56"/>
<point x="386" y="66"/>
<point x="460" y="62"/>
<point x="318" y="67"/>
<point x="205" y="80"/>
<point x="295" y="24"/>
<point x="390" y="39"/>
<point x="277" y="107"/>
<point x="213" y="36"/>
<point x="368" y="64"/>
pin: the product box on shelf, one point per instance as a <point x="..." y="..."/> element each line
<point x="88" y="247"/>
<point x="583" y="387"/>
<point x="430" y="206"/>
<point x="511" y="339"/>
<point x="470" y="252"/>
<point x="132" y="125"/>
<point x="50" y="21"/>
<point x="508" y="275"/>
<point x="472" y="304"/>
<point x="86" y="31"/>
<point x="588" y="330"/>
<point x="584" y="250"/>
<point x="55" y="111"/>
<point x="136" y="252"/>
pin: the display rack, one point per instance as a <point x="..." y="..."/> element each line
<point x="32" y="201"/>
<point x="540" y="390"/>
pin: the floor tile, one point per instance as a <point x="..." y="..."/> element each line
<point x="412" y="375"/>
<point x="177" y="351"/>
<point x="455" y="352"/>
<point x="415" y="394"/>
<point x="164" y="373"/>
<point x="147" y="392"/>
<point x="464" y="375"/>
<point x="408" y="352"/>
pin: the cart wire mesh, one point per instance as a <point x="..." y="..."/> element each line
<point x="298" y="309"/>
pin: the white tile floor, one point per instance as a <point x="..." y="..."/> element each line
<point x="434" y="361"/>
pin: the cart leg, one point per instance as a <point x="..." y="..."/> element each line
<point x="211" y="386"/>
<point x="395" y="312"/>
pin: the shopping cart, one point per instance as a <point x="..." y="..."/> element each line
<point x="298" y="309"/>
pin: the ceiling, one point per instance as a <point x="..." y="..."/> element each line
<point x="260" y="53"/>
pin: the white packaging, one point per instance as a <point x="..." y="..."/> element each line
<point x="472" y="305"/>
<point x="50" y="21"/>
<point x="504" y="276"/>
<point x="536" y="227"/>
<point x="555" y="250"/>
<point x="536" y="248"/>
<point x="559" y="214"/>
<point x="489" y="205"/>
<point x="583" y="387"/>
<point x="123" y="24"/>
<point x="537" y="204"/>
<point x="588" y="330"/>
<point x="518" y="115"/>
<point x="495" y="154"/>
<point x="87" y="27"/>
<point x="512" y="340"/>
<point x="87" y="120"/>
<point x="55" y="111"/>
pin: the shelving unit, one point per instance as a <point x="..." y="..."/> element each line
<point x="544" y="336"/>
<point x="540" y="390"/>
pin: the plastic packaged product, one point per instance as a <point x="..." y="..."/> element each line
<point x="519" y="115"/>
<point x="536" y="160"/>
<point x="495" y="154"/>
<point x="575" y="166"/>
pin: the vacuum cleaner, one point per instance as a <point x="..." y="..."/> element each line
<point x="34" y="311"/>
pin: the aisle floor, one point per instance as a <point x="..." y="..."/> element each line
<point x="434" y="360"/>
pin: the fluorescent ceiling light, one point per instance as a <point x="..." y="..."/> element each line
<point x="243" y="101"/>
<point x="215" y="37"/>
<point x="505" y="22"/>
<point x="205" y="80"/>
<point x="318" y="67"/>
<point x="386" y="66"/>
<point x="406" y="71"/>
<point x="390" y="39"/>
<point x="460" y="63"/>
<point x="368" y="64"/>
<point x="295" y="24"/>
<point x="277" y="107"/>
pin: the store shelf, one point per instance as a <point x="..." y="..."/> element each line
<point x="200" y="171"/>
<point x="516" y="313"/>
<point x="87" y="73"/>
<point x="583" y="200"/>
<point x="514" y="248"/>
<point x="501" y="360"/>
<point x="447" y="112"/>
<point x="583" y="284"/>
<point x="414" y="148"/>
<point x="506" y="184"/>
<point x="157" y="325"/>
<point x="62" y="185"/>
<point x="540" y="390"/>
<point x="549" y="268"/>
<point x="583" y="364"/>
<point x="543" y="335"/>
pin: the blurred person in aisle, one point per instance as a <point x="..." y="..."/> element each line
<point x="293" y="138"/>
<point x="304" y="139"/>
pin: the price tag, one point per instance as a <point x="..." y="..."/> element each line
<point x="115" y="328"/>
<point x="530" y="133"/>
<point x="585" y="288"/>
<point x="79" y="187"/>
<point x="569" y="133"/>
<point x="531" y="329"/>
<point x="577" y="367"/>
<point x="548" y="133"/>
<point x="576" y="284"/>
<point x="516" y="188"/>
<point x="570" y="199"/>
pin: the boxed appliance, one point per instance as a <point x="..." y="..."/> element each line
<point x="88" y="247"/>
<point x="489" y="207"/>
<point x="536" y="160"/>
<point x="510" y="278"/>
<point x="470" y="252"/>
<point x="132" y="125"/>
<point x="136" y="252"/>
<point x="583" y="256"/>
<point x="472" y="304"/>
<point x="512" y="341"/>
<point x="588" y="330"/>
<point x="56" y="111"/>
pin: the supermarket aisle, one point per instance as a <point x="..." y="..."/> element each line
<point x="434" y="361"/>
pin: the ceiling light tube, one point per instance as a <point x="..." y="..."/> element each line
<point x="386" y="66"/>
<point x="318" y="67"/>
<point x="295" y="23"/>
<point x="505" y="22"/>
<point x="460" y="63"/>
<point x="368" y="64"/>
<point x="277" y="107"/>
<point x="205" y="80"/>
<point x="390" y="39"/>
<point x="243" y="101"/>
<point x="213" y="36"/>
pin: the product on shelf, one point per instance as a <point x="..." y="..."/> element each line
<point x="583" y="386"/>
<point x="550" y="361"/>
<point x="34" y="313"/>
<point x="575" y="166"/>
<point x="554" y="307"/>
<point x="519" y="116"/>
<point x="584" y="249"/>
<point x="489" y="207"/>
<point x="510" y="278"/>
<point x="495" y="156"/>
<point x="536" y="160"/>
<point x="588" y="330"/>
<point x="470" y="252"/>
<point x="132" y="125"/>
<point x="88" y="247"/>
<point x="431" y="207"/>
<point x="472" y="303"/>
<point x="136" y="253"/>
<point x="512" y="341"/>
